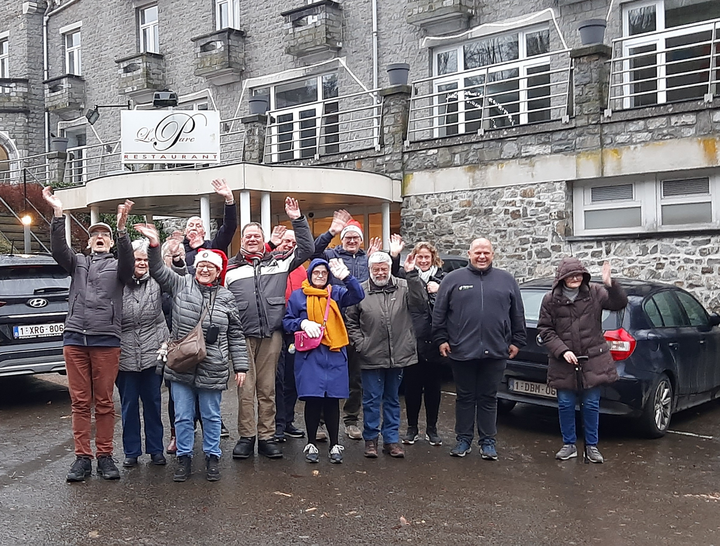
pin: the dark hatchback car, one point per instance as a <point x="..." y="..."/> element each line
<point x="34" y="293"/>
<point x="665" y="344"/>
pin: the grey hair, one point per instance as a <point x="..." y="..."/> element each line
<point x="141" y="245"/>
<point x="379" y="257"/>
<point x="193" y="218"/>
<point x="165" y="249"/>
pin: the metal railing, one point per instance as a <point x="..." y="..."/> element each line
<point x="11" y="211"/>
<point x="492" y="97"/>
<point x="333" y="126"/>
<point x="677" y="64"/>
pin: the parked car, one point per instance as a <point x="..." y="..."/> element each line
<point x="666" y="346"/>
<point x="452" y="262"/>
<point x="34" y="293"/>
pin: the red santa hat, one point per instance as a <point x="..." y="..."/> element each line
<point x="215" y="257"/>
<point x="353" y="226"/>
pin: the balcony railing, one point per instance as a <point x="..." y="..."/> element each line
<point x="677" y="64"/>
<point x="492" y="97"/>
<point x="333" y="126"/>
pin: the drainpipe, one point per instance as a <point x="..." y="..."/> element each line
<point x="375" y="43"/>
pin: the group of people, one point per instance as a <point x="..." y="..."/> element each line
<point x="352" y="326"/>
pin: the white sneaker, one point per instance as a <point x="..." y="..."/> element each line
<point x="353" y="432"/>
<point x="336" y="454"/>
<point x="568" y="451"/>
<point x="312" y="455"/>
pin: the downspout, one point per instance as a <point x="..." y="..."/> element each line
<point x="375" y="43"/>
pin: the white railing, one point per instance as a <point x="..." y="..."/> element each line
<point x="677" y="64"/>
<point x="332" y="126"/>
<point x="492" y="97"/>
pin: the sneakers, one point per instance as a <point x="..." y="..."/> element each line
<point x="80" y="469"/>
<point x="270" y="449"/>
<point x="461" y="449"/>
<point x="593" y="455"/>
<point x="488" y="452"/>
<point x="311" y="453"/>
<point x="106" y="468"/>
<point x="336" y="454"/>
<point x="411" y="436"/>
<point x="294" y="432"/>
<point x="279" y="436"/>
<point x="183" y="468"/>
<point x="158" y="459"/>
<point x="172" y="446"/>
<point x="129" y="462"/>
<point x="353" y="432"/>
<point x="394" y="450"/>
<point x="244" y="448"/>
<point x="211" y="468"/>
<point x="371" y="449"/>
<point x="432" y="436"/>
<point x="568" y="451"/>
<point x="321" y="435"/>
<point x="224" y="432"/>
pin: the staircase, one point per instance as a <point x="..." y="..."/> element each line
<point x="12" y="232"/>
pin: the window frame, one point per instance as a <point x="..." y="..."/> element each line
<point x="152" y="28"/>
<point x="73" y="66"/>
<point x="233" y="14"/>
<point x="4" y="57"/>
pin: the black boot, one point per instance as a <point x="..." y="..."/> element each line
<point x="183" y="468"/>
<point x="244" y="448"/>
<point x="270" y="448"/>
<point x="80" y="469"/>
<point x="211" y="465"/>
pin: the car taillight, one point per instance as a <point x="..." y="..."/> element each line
<point x="3" y="303"/>
<point x="622" y="344"/>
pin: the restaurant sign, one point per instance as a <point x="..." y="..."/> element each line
<point x="170" y="136"/>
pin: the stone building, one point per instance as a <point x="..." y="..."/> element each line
<point x="509" y="127"/>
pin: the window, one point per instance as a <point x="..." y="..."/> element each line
<point x="73" y="63"/>
<point x="4" y="59"/>
<point x="307" y="122"/>
<point x="664" y="311"/>
<point x="694" y="311"/>
<point x="653" y="203"/>
<point x="667" y="52"/>
<point x="76" y="164"/>
<point x="148" y="26"/>
<point x="496" y="81"/>
<point x="227" y="14"/>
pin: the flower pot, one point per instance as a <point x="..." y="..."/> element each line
<point x="58" y="144"/>
<point x="398" y="73"/>
<point x="592" y="31"/>
<point x="258" y="105"/>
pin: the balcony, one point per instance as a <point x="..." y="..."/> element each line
<point x="672" y="65"/>
<point x="14" y="95"/>
<point x="314" y="30"/>
<point x="439" y="17"/>
<point x="140" y="75"/>
<point x="65" y="96"/>
<point x="220" y="56"/>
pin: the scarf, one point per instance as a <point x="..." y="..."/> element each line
<point x="570" y="293"/>
<point x="427" y="275"/>
<point x="335" y="335"/>
<point x="250" y="257"/>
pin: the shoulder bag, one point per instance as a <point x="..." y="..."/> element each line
<point x="304" y="342"/>
<point x="184" y="354"/>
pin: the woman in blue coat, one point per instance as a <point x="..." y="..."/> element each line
<point x="321" y="374"/>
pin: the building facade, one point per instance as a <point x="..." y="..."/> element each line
<point x="509" y="126"/>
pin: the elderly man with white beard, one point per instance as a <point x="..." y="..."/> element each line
<point x="381" y="330"/>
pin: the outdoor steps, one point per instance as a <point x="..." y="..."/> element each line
<point x="12" y="230"/>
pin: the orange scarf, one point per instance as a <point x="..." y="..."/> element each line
<point x="335" y="335"/>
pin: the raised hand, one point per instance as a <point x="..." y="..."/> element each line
<point x="53" y="200"/>
<point x="607" y="274"/>
<point x="340" y="220"/>
<point x="374" y="246"/>
<point x="339" y="269"/>
<point x="292" y="208"/>
<point x="409" y="264"/>
<point x="221" y="188"/>
<point x="149" y="232"/>
<point x="123" y="212"/>
<point x="277" y="234"/>
<point x="396" y="245"/>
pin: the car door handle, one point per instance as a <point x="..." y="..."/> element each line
<point x="702" y="342"/>
<point x="673" y="345"/>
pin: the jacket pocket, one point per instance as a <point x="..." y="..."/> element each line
<point x="276" y="300"/>
<point x="242" y="305"/>
<point x="598" y="350"/>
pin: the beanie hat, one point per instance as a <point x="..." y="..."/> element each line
<point x="215" y="257"/>
<point x="353" y="226"/>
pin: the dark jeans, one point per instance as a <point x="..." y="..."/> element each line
<point x="425" y="377"/>
<point x="476" y="384"/>
<point x="135" y="387"/>
<point x="352" y="406"/>
<point x="285" y="391"/>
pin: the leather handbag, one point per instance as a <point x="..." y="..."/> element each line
<point x="304" y="342"/>
<point x="184" y="354"/>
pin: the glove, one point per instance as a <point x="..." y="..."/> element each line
<point x="339" y="269"/>
<point x="311" y="328"/>
<point x="162" y="352"/>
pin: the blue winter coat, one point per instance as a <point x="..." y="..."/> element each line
<point x="321" y="372"/>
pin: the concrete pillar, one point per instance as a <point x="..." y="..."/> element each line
<point x="386" y="224"/>
<point x="254" y="144"/>
<point x="94" y="215"/>
<point x="149" y="218"/>
<point x="366" y="227"/>
<point x="244" y="208"/>
<point x="265" y="213"/>
<point x="590" y="84"/>
<point x="205" y="212"/>
<point x="56" y="167"/>
<point x="68" y="227"/>
<point x="396" y="109"/>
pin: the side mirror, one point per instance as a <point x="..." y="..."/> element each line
<point x="714" y="319"/>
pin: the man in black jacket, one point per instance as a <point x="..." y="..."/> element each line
<point x="479" y="322"/>
<point x="91" y="341"/>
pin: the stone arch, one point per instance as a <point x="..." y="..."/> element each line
<point x="9" y="158"/>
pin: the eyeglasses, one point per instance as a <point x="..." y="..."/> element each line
<point x="576" y="276"/>
<point x="349" y="238"/>
<point x="206" y="267"/>
<point x="141" y="260"/>
<point x="319" y="273"/>
<point x="101" y="234"/>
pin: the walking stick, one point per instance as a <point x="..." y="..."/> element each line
<point x="580" y="389"/>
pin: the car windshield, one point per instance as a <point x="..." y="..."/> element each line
<point x="532" y="300"/>
<point x="33" y="279"/>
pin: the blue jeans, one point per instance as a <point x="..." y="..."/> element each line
<point x="381" y="386"/>
<point x="185" y="398"/>
<point x="590" y="416"/>
<point x="134" y="387"/>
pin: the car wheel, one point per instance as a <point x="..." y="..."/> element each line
<point x="505" y="406"/>
<point x="655" y="419"/>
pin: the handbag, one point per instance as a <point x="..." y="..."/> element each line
<point x="304" y="342"/>
<point x="184" y="354"/>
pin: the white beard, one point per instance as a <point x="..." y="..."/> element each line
<point x="379" y="283"/>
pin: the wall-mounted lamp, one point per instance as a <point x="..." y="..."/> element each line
<point x="94" y="114"/>
<point x="165" y="99"/>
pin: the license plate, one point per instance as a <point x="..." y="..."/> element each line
<point x="38" y="330"/>
<point x="534" y="389"/>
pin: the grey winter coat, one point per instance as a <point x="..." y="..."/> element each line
<point x="96" y="290"/>
<point x="576" y="326"/>
<point x="381" y="328"/>
<point x="189" y="299"/>
<point x="143" y="325"/>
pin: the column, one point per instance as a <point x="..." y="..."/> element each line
<point x="254" y="144"/>
<point x="205" y="212"/>
<point x="94" y="214"/>
<point x="265" y="213"/>
<point x="68" y="227"/>
<point x="244" y="208"/>
<point x="386" y="224"/>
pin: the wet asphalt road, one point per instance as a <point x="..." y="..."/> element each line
<point x="649" y="492"/>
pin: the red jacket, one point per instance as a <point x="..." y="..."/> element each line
<point x="295" y="280"/>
